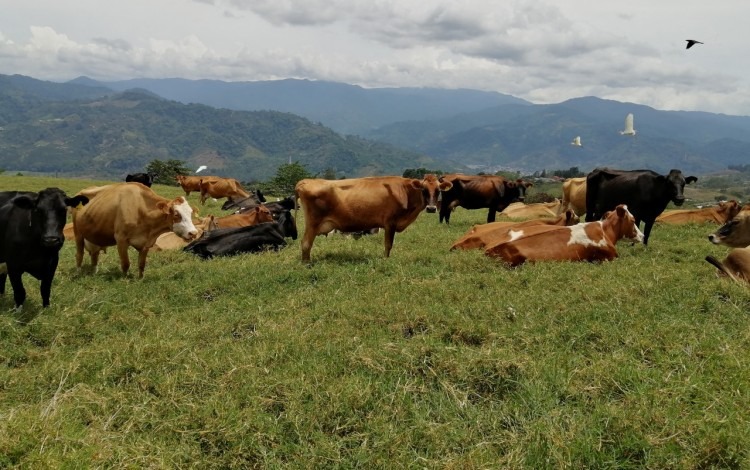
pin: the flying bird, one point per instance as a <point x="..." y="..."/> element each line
<point x="201" y="168"/>
<point x="577" y="141"/>
<point x="691" y="43"/>
<point x="628" y="125"/>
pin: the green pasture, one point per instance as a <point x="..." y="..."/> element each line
<point x="427" y="359"/>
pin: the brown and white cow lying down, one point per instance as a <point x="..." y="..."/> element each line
<point x="520" y="210"/>
<point x="592" y="241"/>
<point x="171" y="241"/>
<point x="736" y="265"/>
<point x="720" y="214"/>
<point x="129" y="214"/>
<point x="357" y="204"/>
<point x="480" y="236"/>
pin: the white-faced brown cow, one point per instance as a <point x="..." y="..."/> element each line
<point x="353" y="205"/>
<point x="720" y="214"/>
<point x="520" y="210"/>
<point x="222" y="187"/>
<point x="592" y="241"/>
<point x="129" y="214"/>
<point x="480" y="236"/>
<point x="574" y="195"/>
<point x="171" y="241"/>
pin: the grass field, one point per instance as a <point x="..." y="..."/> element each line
<point x="427" y="359"/>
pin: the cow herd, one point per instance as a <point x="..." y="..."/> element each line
<point x="131" y="214"/>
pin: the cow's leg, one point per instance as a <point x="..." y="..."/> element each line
<point x="491" y="215"/>
<point x="79" y="251"/>
<point x="46" y="285"/>
<point x="646" y="230"/>
<point x="2" y="283"/>
<point x="307" y="242"/>
<point x="445" y="213"/>
<point x="142" y="253"/>
<point x="122" y="250"/>
<point x="390" y="233"/>
<point x="94" y="254"/>
<point x="203" y="198"/>
<point x="19" y="293"/>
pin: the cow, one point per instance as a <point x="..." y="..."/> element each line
<point x="480" y="236"/>
<point x="592" y="241"/>
<point x="352" y="205"/>
<point x="232" y="241"/>
<point x="721" y="214"/>
<point x="238" y="202"/>
<point x="287" y="224"/>
<point x="276" y="207"/>
<point x="735" y="233"/>
<point x="146" y="179"/>
<point x="31" y="236"/>
<point x="171" y="241"/>
<point x="478" y="192"/>
<point x="736" y="265"/>
<point x="221" y="187"/>
<point x="128" y="214"/>
<point x="256" y="216"/>
<point x="646" y="193"/>
<point x="190" y="184"/>
<point x="520" y="210"/>
<point x="574" y="195"/>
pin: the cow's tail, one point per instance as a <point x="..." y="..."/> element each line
<point x="720" y="266"/>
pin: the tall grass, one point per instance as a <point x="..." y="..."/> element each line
<point x="429" y="358"/>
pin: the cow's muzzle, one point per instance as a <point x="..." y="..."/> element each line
<point x="678" y="201"/>
<point x="431" y="209"/>
<point x="52" y="241"/>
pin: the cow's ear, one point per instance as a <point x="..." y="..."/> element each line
<point x="445" y="186"/>
<point x="76" y="201"/>
<point x="621" y="210"/>
<point x="24" y="202"/>
<point x="165" y="207"/>
<point x="416" y="184"/>
<point x="690" y="179"/>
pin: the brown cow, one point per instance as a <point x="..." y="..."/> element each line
<point x="520" y="210"/>
<point x="592" y="241"/>
<point x="478" y="192"/>
<point x="193" y="183"/>
<point x="574" y="195"/>
<point x="353" y="205"/>
<point x="736" y="232"/>
<point x="221" y="187"/>
<point x="129" y="214"/>
<point x="480" y="236"/>
<point x="172" y="241"/>
<point x="736" y="265"/>
<point x="721" y="214"/>
<point x="257" y="215"/>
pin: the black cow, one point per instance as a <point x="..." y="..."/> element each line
<point x="287" y="224"/>
<point x="146" y="179"/>
<point x="276" y="207"/>
<point x="646" y="193"/>
<point x="31" y="235"/>
<point x="239" y="202"/>
<point x="232" y="241"/>
<point x="478" y="192"/>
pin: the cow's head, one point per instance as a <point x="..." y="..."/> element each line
<point x="729" y="209"/>
<point x="676" y="182"/>
<point x="431" y="188"/>
<point x="516" y="190"/>
<point x="735" y="233"/>
<point x="624" y="223"/>
<point x="288" y="225"/>
<point x="262" y="214"/>
<point x="181" y="215"/>
<point x="48" y="212"/>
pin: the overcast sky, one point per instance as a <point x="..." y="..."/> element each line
<point x="542" y="51"/>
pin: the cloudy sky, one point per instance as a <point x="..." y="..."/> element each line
<point x="542" y="51"/>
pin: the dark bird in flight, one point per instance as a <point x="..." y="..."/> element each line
<point x="691" y="43"/>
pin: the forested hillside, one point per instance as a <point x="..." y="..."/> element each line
<point x="111" y="135"/>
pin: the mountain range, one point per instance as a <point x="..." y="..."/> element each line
<point x="354" y="130"/>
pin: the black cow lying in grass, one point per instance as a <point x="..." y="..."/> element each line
<point x="233" y="241"/>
